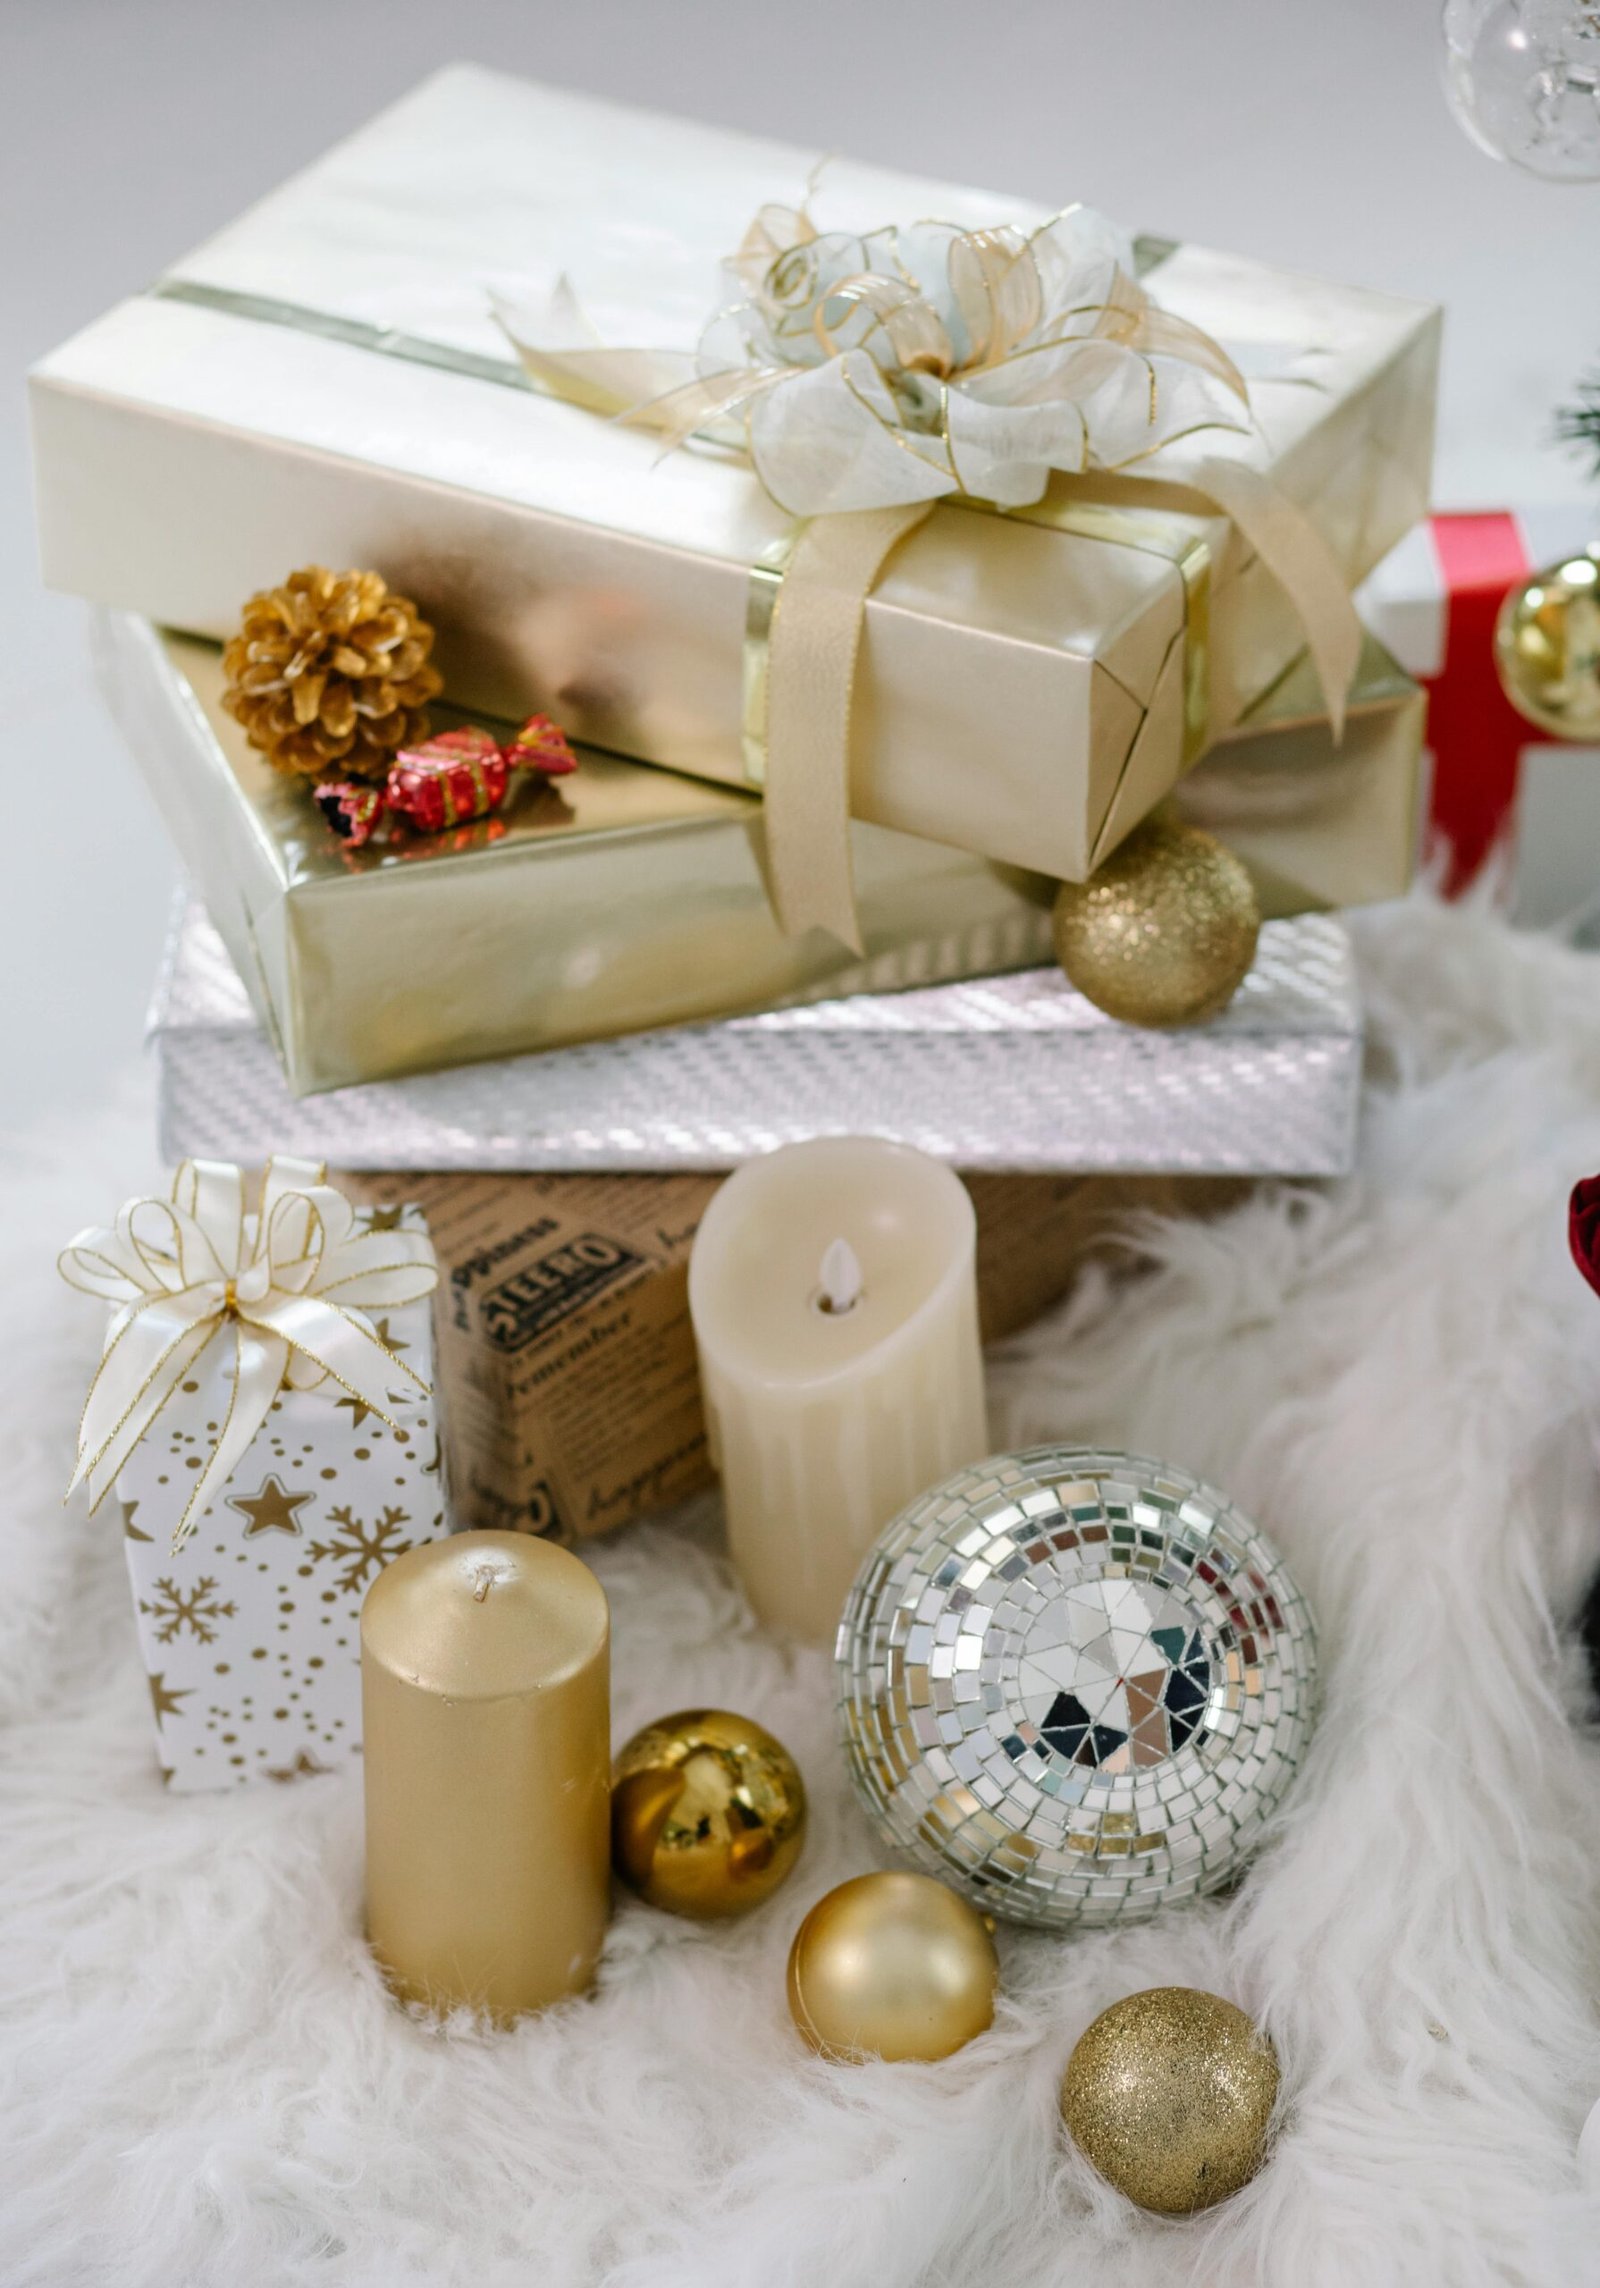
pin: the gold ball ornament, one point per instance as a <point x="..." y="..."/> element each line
<point x="892" y="1966"/>
<point x="1169" y="2094"/>
<point x="1547" y="648"/>
<point x="1164" y="932"/>
<point x="708" y="1813"/>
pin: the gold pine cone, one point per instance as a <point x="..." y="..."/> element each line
<point x="331" y="670"/>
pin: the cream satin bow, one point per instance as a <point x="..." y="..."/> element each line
<point x="289" y="1288"/>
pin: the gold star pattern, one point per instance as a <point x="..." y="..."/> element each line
<point x="302" y="1768"/>
<point x="359" y="1410"/>
<point x="381" y="1329"/>
<point x="384" y="1219"/>
<point x="130" y="1531"/>
<point x="272" y="1509"/>
<point x="163" y="1699"/>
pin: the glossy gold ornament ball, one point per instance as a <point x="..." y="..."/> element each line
<point x="1547" y="648"/>
<point x="708" y="1813"/>
<point x="892" y="1966"/>
<point x="1165" y="932"/>
<point x="1169" y="2094"/>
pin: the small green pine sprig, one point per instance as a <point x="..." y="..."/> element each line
<point x="1578" y="424"/>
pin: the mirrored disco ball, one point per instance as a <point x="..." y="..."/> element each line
<point x="1075" y="1685"/>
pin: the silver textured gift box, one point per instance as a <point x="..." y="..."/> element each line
<point x="325" y="381"/>
<point x="250" y="1632"/>
<point x="1014" y="1073"/>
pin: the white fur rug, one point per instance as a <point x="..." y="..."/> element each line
<point x="1398" y="1377"/>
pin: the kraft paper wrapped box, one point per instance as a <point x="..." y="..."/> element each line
<point x="249" y="1630"/>
<point x="326" y="381"/>
<point x="624" y="899"/>
<point x="566" y="1353"/>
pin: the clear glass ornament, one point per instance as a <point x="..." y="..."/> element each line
<point x="1523" y="77"/>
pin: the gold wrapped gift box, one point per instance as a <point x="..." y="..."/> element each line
<point x="324" y="381"/>
<point x="612" y="901"/>
<point x="625" y="897"/>
<point x="1320" y="825"/>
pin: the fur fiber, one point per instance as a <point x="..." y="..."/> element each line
<point x="1398" y="1376"/>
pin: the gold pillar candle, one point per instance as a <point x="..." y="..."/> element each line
<point x="485" y="1669"/>
<point x="834" y="1301"/>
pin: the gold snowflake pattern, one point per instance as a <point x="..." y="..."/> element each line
<point x="198" y="1609"/>
<point x="359" y="1548"/>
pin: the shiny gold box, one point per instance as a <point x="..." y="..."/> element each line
<point x="325" y="381"/>
<point x="1320" y="825"/>
<point x="612" y="901"/>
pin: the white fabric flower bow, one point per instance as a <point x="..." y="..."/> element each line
<point x="909" y="363"/>
<point x="288" y="1288"/>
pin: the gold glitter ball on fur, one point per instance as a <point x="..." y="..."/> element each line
<point x="892" y="1966"/>
<point x="1165" y="932"/>
<point x="1169" y="2094"/>
<point x="330" y="671"/>
<point x="1547" y="648"/>
<point x="708" y="1813"/>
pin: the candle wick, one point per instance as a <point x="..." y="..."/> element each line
<point x="486" y="1581"/>
<point x="840" y="1281"/>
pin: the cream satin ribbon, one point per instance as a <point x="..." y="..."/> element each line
<point x="288" y="1290"/>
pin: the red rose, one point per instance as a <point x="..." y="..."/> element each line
<point x="1583" y="1229"/>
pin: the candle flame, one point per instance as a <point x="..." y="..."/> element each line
<point x="840" y="1279"/>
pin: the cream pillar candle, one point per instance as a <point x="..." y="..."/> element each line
<point x="485" y="1680"/>
<point x="835" y="1311"/>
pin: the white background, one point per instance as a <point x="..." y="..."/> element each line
<point x="1310" y="132"/>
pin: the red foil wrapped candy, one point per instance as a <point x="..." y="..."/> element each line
<point x="447" y="781"/>
<point x="353" y="811"/>
<point x="541" y="746"/>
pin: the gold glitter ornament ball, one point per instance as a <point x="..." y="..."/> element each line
<point x="1169" y="2094"/>
<point x="708" y="1813"/>
<point x="1165" y="932"/>
<point x="892" y="1966"/>
<point x="1547" y="648"/>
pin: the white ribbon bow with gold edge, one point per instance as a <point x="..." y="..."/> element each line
<point x="868" y="377"/>
<point x="285" y="1290"/>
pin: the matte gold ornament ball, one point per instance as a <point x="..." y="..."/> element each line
<point x="1165" y="932"/>
<point x="1169" y="2094"/>
<point x="892" y="1966"/>
<point x="1547" y="648"/>
<point x="708" y="1813"/>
